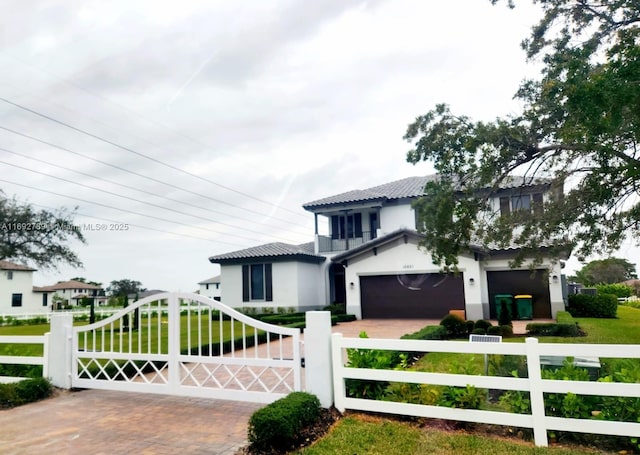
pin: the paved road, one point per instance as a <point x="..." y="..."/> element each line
<point x="93" y="422"/>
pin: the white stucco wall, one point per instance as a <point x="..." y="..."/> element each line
<point x="401" y="258"/>
<point x="394" y="217"/>
<point x="213" y="291"/>
<point x="22" y="283"/>
<point x="294" y="284"/>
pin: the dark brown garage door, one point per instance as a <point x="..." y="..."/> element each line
<point x="516" y="282"/>
<point x="424" y="296"/>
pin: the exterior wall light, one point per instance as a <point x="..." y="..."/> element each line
<point x="472" y="280"/>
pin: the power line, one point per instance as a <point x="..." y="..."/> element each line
<point x="108" y="206"/>
<point x="105" y="163"/>
<point x="109" y="220"/>
<point x="140" y="201"/>
<point x="124" y="186"/>
<point x="150" y="158"/>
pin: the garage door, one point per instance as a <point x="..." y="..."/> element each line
<point x="418" y="296"/>
<point x="516" y="282"/>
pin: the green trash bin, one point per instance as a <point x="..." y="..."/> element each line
<point x="502" y="301"/>
<point x="524" y="304"/>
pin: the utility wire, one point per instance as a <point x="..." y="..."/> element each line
<point x="105" y="163"/>
<point x="141" y="202"/>
<point x="109" y="220"/>
<point x="108" y="206"/>
<point x="150" y="158"/>
<point x="128" y="187"/>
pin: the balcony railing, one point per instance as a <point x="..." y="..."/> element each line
<point x="326" y="244"/>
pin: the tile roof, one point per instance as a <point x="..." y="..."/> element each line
<point x="212" y="280"/>
<point x="409" y="187"/>
<point x="6" y="265"/>
<point x="270" y="250"/>
<point x="69" y="285"/>
<point x="406" y="188"/>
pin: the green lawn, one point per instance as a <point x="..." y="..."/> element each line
<point x="366" y="435"/>
<point x="625" y="329"/>
<point x="191" y="335"/>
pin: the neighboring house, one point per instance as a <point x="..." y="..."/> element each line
<point x="17" y="292"/>
<point x="210" y="288"/>
<point x="72" y="293"/>
<point x="370" y="260"/>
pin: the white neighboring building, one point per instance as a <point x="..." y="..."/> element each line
<point x="17" y="294"/>
<point x="72" y="293"/>
<point x="210" y="288"/>
<point x="371" y="261"/>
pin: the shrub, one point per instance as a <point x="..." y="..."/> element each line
<point x="455" y="325"/>
<point x="482" y="324"/>
<point x="618" y="289"/>
<point x="27" y="391"/>
<point x="470" y="326"/>
<point x="336" y="308"/>
<point x="277" y="425"/>
<point x="369" y="358"/>
<point x="507" y="331"/>
<point x="429" y="332"/>
<point x="553" y="329"/>
<point x="593" y="306"/>
<point x="468" y="397"/>
<point x="494" y="330"/>
<point x="479" y="331"/>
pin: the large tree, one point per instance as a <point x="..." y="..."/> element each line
<point x="606" y="271"/>
<point x="124" y="287"/>
<point x="37" y="237"/>
<point x="577" y="134"/>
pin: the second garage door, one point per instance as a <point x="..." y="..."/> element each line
<point x="411" y="296"/>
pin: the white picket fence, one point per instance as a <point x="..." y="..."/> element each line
<point x="25" y="360"/>
<point x="534" y="384"/>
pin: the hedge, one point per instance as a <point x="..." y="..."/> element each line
<point x="564" y="327"/>
<point x="593" y="306"/>
<point x="277" y="425"/>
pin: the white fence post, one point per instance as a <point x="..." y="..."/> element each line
<point x="59" y="361"/>
<point x="535" y="393"/>
<point x="338" y="372"/>
<point x="317" y="353"/>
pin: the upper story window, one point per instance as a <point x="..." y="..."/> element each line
<point x="9" y="274"/>
<point x="521" y="202"/>
<point x="346" y="226"/>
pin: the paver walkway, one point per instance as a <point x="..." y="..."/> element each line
<point x="96" y="422"/>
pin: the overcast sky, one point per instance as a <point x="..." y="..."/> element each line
<point x="203" y="126"/>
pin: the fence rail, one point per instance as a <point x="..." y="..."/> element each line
<point x="534" y="384"/>
<point x="25" y="360"/>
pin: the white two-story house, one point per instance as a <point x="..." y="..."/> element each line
<point x="210" y="288"/>
<point x="370" y="260"/>
<point x="17" y="294"/>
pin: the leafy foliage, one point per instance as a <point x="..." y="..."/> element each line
<point x="125" y="287"/>
<point x="577" y="131"/>
<point x="455" y="325"/>
<point x="276" y="425"/>
<point x="373" y="359"/>
<point x="38" y="237"/>
<point x="593" y="306"/>
<point x="606" y="271"/>
<point x="618" y="289"/>
<point x="27" y="391"/>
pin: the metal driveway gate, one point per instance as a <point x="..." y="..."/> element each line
<point x="187" y="344"/>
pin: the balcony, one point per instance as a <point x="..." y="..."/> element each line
<point x="327" y="245"/>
